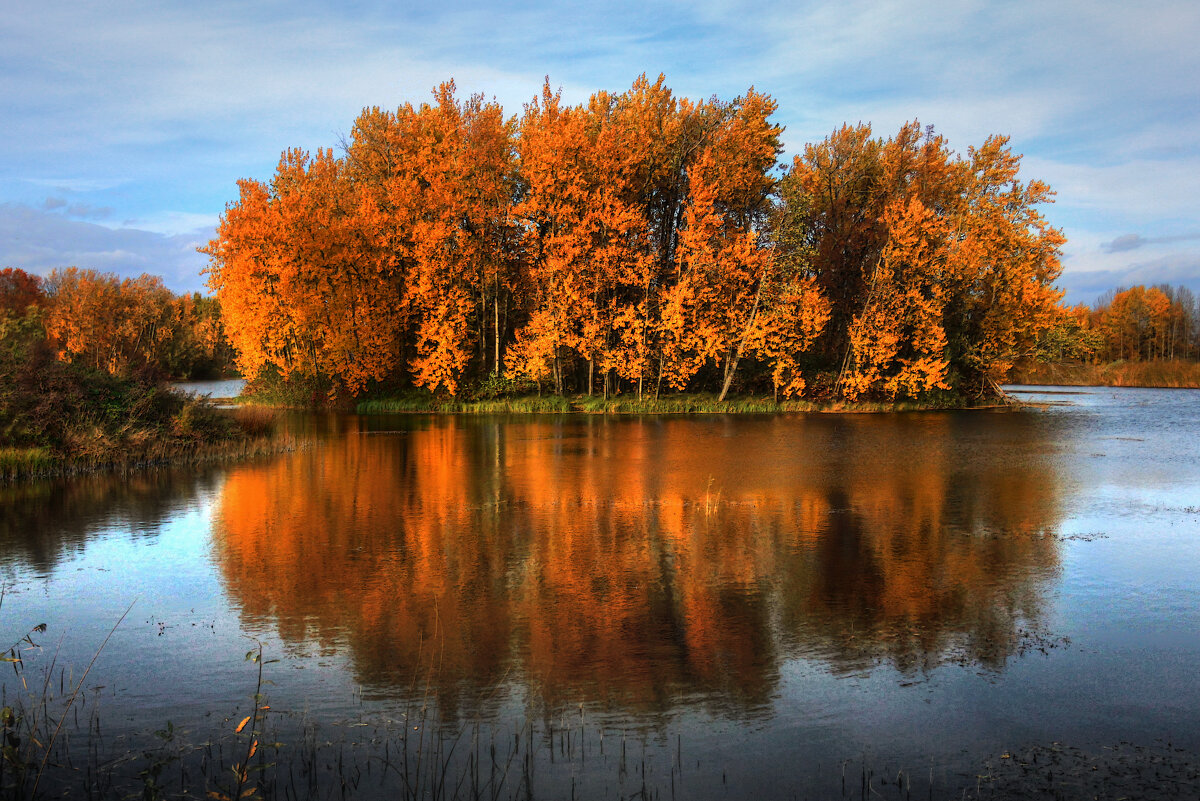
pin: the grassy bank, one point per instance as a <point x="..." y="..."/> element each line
<point x="58" y="418"/>
<point x="699" y="403"/>
<point x="1172" y="374"/>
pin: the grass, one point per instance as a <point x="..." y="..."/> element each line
<point x="62" y="418"/>
<point x="527" y="404"/>
<point x="1166" y="373"/>
<point x="697" y="403"/>
<point x="53" y="739"/>
<point x="19" y="462"/>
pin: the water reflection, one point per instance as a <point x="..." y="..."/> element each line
<point x="644" y="563"/>
<point x="44" y="522"/>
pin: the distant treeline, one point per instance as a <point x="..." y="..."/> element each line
<point x="132" y="326"/>
<point x="83" y="356"/>
<point x="1135" y="324"/>
<point x="638" y="242"/>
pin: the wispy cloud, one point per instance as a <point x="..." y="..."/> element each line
<point x="39" y="241"/>
<point x="1176" y="270"/>
<point x="153" y="110"/>
<point x="1128" y="242"/>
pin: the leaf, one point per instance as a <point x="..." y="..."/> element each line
<point x="242" y="725"/>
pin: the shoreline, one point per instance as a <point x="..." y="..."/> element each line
<point x="668" y="405"/>
<point x="1165" y="374"/>
<point x="19" y="465"/>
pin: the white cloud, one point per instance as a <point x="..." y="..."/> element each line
<point x="154" y="109"/>
<point x="1180" y="269"/>
<point x="39" y="241"/>
<point x="172" y="223"/>
<point x="1141" y="192"/>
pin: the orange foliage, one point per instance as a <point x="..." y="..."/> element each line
<point x="1140" y="323"/>
<point x="626" y="562"/>
<point x="933" y="263"/>
<point x="19" y="290"/>
<point x="297" y="274"/>
<point x="108" y="323"/>
<point x="635" y="236"/>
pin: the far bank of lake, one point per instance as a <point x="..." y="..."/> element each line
<point x="1162" y="374"/>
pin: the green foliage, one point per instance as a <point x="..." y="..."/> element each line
<point x="697" y="403"/>
<point x="1068" y="341"/>
<point x="495" y="386"/>
<point x="270" y="388"/>
<point x="57" y="416"/>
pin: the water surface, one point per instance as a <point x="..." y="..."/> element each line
<point x="754" y="599"/>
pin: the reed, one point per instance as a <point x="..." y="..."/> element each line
<point x="699" y="403"/>
<point x="429" y="404"/>
<point x="1165" y="373"/>
<point x="16" y="463"/>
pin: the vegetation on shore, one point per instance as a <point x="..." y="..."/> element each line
<point x="122" y="326"/>
<point x="59" y="417"/>
<point x="497" y="395"/>
<point x="684" y="403"/>
<point x="1169" y="373"/>
<point x="638" y="244"/>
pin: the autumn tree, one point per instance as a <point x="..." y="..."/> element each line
<point x="303" y="287"/>
<point x="441" y="181"/>
<point x="732" y="298"/>
<point x="646" y="215"/>
<point x="589" y="245"/>
<point x="19" y="290"/>
<point x="640" y="236"/>
<point x="198" y="347"/>
<point x="108" y="323"/>
<point x="1141" y="323"/>
<point x="939" y="268"/>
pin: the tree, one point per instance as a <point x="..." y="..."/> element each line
<point x="121" y="326"/>
<point x="301" y="280"/>
<point x="442" y="181"/>
<point x="939" y="269"/>
<point x="19" y="290"/>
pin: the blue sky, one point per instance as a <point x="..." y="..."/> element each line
<point x="125" y="129"/>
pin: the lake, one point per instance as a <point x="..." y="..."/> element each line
<point x="702" y="606"/>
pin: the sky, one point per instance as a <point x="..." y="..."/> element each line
<point x="126" y="126"/>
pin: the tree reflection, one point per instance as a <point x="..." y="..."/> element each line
<point x="44" y="522"/>
<point x="644" y="563"/>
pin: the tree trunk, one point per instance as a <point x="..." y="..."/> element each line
<point x="496" y="331"/>
<point x="736" y="354"/>
<point x="730" y="368"/>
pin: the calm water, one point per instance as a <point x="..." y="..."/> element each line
<point x="745" y="602"/>
<point x="220" y="388"/>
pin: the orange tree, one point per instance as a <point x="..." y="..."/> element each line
<point x="939" y="268"/>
